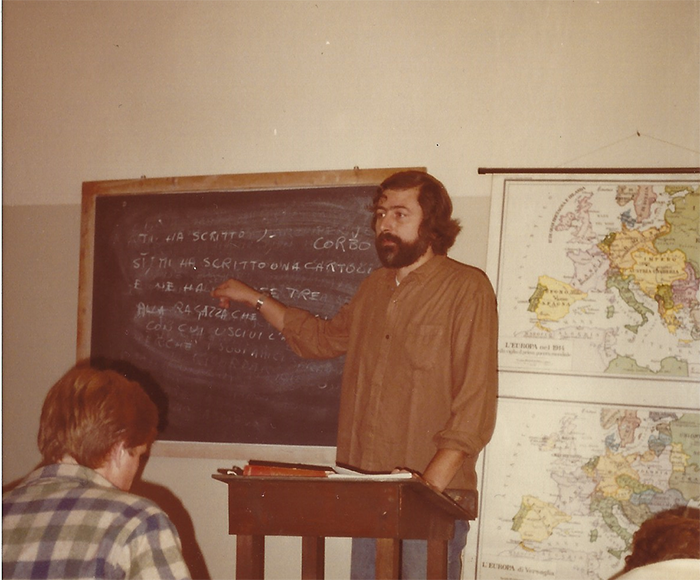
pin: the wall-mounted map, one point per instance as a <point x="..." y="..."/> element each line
<point x="598" y="428"/>
<point x="599" y="276"/>
<point x="568" y="485"/>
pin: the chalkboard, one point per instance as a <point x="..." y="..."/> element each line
<point x="154" y="249"/>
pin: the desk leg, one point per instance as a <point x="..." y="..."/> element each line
<point x="313" y="553"/>
<point x="250" y="557"/>
<point x="437" y="559"/>
<point x="388" y="564"/>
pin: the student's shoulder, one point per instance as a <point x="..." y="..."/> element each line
<point x="128" y="503"/>
<point x="679" y="569"/>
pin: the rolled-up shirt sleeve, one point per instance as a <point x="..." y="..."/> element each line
<point x="475" y="374"/>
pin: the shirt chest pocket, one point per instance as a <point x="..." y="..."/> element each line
<point x="424" y="344"/>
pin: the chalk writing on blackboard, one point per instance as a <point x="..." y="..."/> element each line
<point x="228" y="375"/>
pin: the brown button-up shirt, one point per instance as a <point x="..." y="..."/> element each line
<point x="421" y="367"/>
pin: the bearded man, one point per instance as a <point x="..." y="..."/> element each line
<point x="419" y="384"/>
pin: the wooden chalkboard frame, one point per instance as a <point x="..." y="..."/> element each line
<point x="92" y="190"/>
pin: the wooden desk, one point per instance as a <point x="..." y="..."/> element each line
<point x="316" y="508"/>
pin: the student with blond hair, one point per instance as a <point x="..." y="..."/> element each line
<point x="73" y="516"/>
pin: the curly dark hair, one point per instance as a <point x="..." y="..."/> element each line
<point x="668" y="535"/>
<point x="438" y="224"/>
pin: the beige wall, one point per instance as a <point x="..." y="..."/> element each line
<point x="103" y="90"/>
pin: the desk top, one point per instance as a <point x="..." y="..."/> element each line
<point x="331" y="506"/>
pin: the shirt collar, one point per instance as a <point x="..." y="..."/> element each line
<point x="422" y="273"/>
<point x="428" y="269"/>
<point x="68" y="471"/>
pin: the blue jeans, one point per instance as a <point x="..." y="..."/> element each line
<point x="414" y="556"/>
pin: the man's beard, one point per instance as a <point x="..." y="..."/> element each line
<point x="403" y="253"/>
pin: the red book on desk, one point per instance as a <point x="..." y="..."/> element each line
<point x="271" y="469"/>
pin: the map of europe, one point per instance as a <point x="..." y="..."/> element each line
<point x="601" y="278"/>
<point x="576" y="483"/>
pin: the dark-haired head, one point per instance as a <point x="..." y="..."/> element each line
<point x="438" y="225"/>
<point x="668" y="535"/>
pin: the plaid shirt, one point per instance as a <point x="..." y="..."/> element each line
<point x="67" y="521"/>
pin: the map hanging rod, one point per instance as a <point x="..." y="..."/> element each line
<point x="588" y="170"/>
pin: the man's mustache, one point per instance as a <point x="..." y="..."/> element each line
<point x="387" y="237"/>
